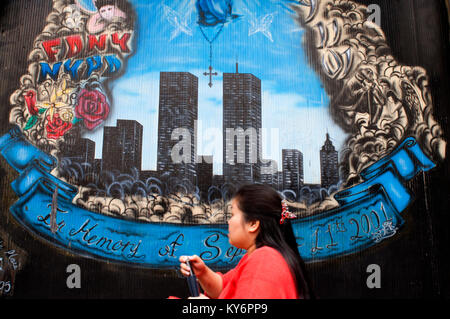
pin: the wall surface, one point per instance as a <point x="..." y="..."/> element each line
<point x="116" y="156"/>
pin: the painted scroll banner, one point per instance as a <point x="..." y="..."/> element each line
<point x="368" y="213"/>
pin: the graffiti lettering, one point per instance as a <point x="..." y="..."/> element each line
<point x="11" y="254"/>
<point x="122" y="42"/>
<point x="62" y="51"/>
<point x="366" y="224"/>
<point x="355" y="222"/>
<point x="332" y="243"/>
<point x="361" y="226"/>
<point x="65" y="48"/>
<point x="82" y="68"/>
<point x="232" y="252"/>
<point x="95" y="240"/>
<point x="48" y="48"/>
<point x="340" y="226"/>
<point x="5" y="287"/>
<point x="214" y="246"/>
<point x="316" y="248"/>
<point x="95" y="42"/>
<point x="75" y="45"/>
<point x="170" y="249"/>
<point x="209" y="255"/>
<point x="46" y="221"/>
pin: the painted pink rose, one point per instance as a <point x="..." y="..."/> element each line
<point x="92" y="108"/>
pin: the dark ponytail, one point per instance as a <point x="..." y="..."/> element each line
<point x="263" y="203"/>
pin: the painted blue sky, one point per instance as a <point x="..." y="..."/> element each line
<point x="265" y="40"/>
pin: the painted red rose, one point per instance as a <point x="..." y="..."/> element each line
<point x="92" y="108"/>
<point x="57" y="127"/>
<point x="30" y="99"/>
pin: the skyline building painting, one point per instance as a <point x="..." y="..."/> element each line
<point x="204" y="175"/>
<point x="241" y="124"/>
<point x="178" y="109"/>
<point x="269" y="173"/>
<point x="292" y="170"/>
<point x="122" y="146"/>
<point x="329" y="164"/>
<point x="78" y="149"/>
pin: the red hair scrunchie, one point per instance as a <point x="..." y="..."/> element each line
<point x="285" y="213"/>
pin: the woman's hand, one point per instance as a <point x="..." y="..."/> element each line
<point x="210" y="281"/>
<point x="197" y="264"/>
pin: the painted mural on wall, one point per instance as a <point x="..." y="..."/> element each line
<point x="137" y="120"/>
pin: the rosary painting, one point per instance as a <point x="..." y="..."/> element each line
<point x="133" y="122"/>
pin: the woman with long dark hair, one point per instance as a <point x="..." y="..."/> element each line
<point x="272" y="267"/>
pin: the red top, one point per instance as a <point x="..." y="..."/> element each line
<point x="262" y="275"/>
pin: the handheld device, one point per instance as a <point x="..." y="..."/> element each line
<point x="194" y="289"/>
